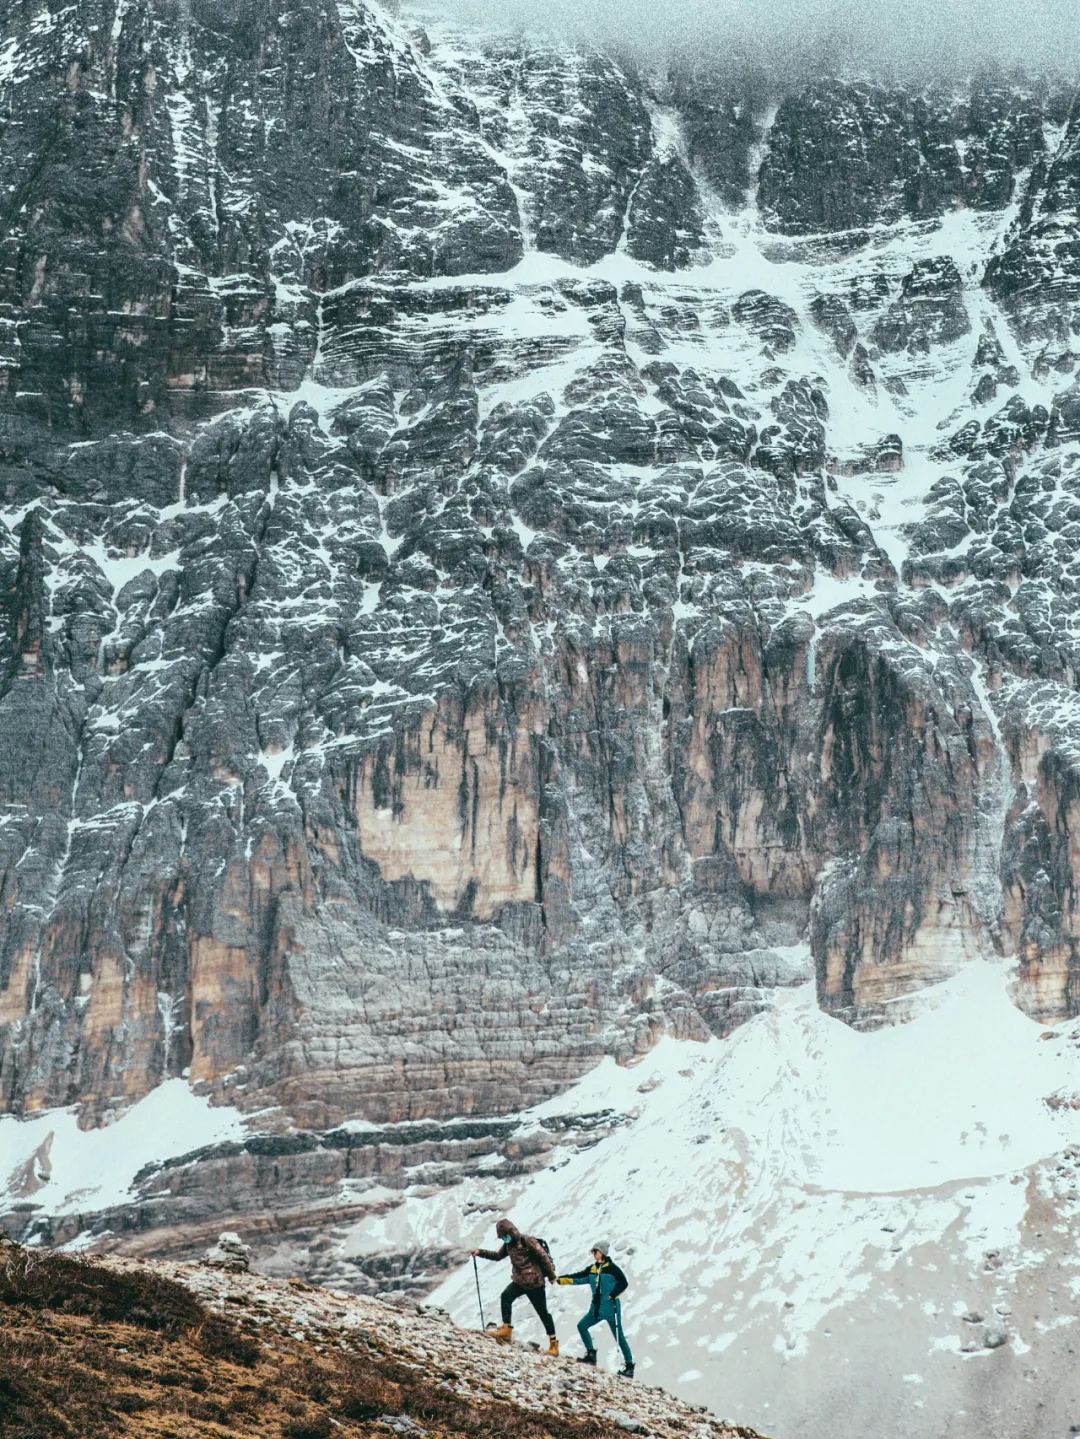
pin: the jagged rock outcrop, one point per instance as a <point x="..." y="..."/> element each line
<point x="842" y="156"/>
<point x="1034" y="273"/>
<point x="498" y="548"/>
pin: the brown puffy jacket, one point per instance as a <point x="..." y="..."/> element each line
<point x="530" y="1263"/>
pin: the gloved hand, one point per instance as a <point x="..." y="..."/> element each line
<point x="562" y="1279"/>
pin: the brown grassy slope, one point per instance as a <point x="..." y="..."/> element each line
<point x="90" y="1349"/>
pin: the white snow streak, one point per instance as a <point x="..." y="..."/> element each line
<point x="82" y="1171"/>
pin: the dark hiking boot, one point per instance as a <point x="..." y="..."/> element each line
<point x="627" y="1372"/>
<point x="589" y="1357"/>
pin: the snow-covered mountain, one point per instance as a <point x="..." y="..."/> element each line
<point x="516" y="563"/>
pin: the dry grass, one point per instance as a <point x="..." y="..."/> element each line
<point x="87" y="1351"/>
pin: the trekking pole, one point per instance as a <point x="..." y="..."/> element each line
<point x="476" y="1276"/>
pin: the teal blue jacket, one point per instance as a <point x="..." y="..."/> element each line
<point x="607" y="1282"/>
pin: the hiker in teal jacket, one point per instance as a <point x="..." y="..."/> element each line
<point x="607" y="1282"/>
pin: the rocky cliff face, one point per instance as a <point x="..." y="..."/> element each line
<point x="498" y="548"/>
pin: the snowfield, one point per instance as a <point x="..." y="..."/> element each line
<point x="51" y="1162"/>
<point x="780" y="1198"/>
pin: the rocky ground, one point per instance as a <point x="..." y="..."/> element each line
<point x="189" y="1352"/>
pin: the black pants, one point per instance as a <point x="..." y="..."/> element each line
<point x="536" y="1297"/>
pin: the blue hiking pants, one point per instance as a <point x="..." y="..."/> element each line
<point x="614" y="1321"/>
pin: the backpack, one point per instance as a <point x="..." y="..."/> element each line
<point x="545" y="1246"/>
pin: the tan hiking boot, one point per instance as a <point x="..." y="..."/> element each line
<point x="553" y="1346"/>
<point x="503" y="1334"/>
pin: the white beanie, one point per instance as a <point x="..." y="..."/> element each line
<point x="603" y="1246"/>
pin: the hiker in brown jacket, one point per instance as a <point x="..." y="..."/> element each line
<point x="530" y="1266"/>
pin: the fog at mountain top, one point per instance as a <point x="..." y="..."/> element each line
<point x="900" y="36"/>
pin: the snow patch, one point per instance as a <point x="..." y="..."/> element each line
<point x="82" y="1171"/>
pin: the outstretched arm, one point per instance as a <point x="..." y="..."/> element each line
<point x="581" y="1277"/>
<point x="491" y="1253"/>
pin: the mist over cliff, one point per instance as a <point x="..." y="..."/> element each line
<point x="902" y="38"/>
